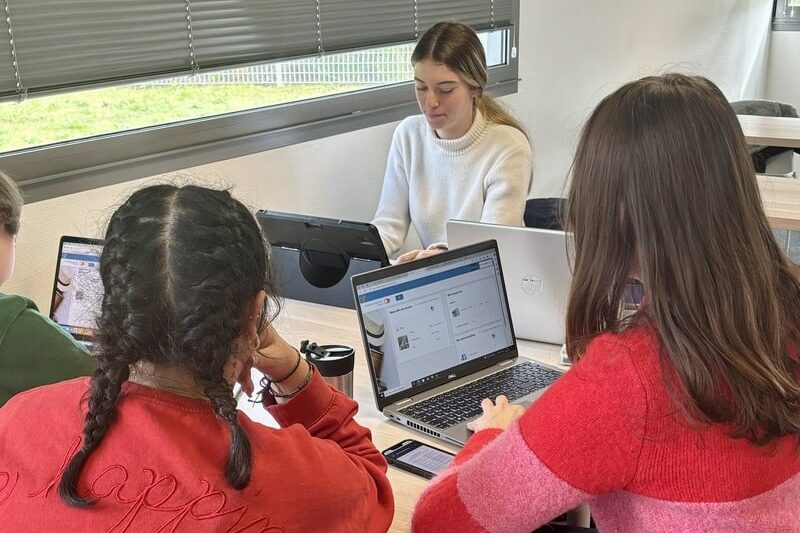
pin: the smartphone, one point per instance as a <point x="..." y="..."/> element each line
<point x="418" y="458"/>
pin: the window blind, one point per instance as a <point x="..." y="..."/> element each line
<point x="58" y="45"/>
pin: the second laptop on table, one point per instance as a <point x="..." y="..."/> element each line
<point x="537" y="271"/>
<point x="77" y="289"/>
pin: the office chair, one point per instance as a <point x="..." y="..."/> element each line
<point x="545" y="213"/>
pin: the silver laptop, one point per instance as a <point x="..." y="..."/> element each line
<point x="537" y="270"/>
<point x="438" y="337"/>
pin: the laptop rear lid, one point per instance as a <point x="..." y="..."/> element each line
<point x="537" y="273"/>
<point x="431" y="321"/>
<point x="321" y="236"/>
<point x="77" y="290"/>
<point x="314" y="258"/>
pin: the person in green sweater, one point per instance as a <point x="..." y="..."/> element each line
<point x="34" y="351"/>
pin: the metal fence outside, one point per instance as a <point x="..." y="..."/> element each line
<point x="362" y="67"/>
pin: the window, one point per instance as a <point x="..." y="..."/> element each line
<point x="91" y="113"/>
<point x="787" y="15"/>
<point x="126" y="115"/>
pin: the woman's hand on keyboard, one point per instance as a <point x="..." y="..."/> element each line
<point x="499" y="414"/>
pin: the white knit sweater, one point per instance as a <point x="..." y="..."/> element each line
<point x="483" y="176"/>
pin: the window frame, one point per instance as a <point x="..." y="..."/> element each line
<point x="69" y="167"/>
<point x="781" y="23"/>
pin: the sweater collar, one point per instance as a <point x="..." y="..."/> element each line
<point x="462" y="144"/>
<point x="131" y="389"/>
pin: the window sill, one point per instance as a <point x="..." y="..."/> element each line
<point x="56" y="170"/>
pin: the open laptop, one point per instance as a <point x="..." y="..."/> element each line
<point x="314" y="257"/>
<point x="77" y="289"/>
<point x="438" y="337"/>
<point x="537" y="271"/>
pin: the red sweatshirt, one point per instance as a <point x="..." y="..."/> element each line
<point x="160" y="466"/>
<point x="608" y="433"/>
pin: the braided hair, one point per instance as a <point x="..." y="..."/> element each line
<point x="178" y="267"/>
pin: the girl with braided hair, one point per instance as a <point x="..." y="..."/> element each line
<point x="158" y="444"/>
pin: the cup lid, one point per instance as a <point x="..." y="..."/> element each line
<point x="339" y="360"/>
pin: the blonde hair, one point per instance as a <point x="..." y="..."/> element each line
<point x="457" y="47"/>
<point x="10" y="204"/>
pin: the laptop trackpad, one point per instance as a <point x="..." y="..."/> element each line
<point x="459" y="434"/>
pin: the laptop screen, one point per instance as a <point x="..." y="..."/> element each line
<point x="422" y="323"/>
<point x="77" y="289"/>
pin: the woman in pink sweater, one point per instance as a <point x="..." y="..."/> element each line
<point x="686" y="415"/>
<point x="160" y="445"/>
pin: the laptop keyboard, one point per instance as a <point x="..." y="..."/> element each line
<point x="453" y="407"/>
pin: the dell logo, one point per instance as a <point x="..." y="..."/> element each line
<point x="531" y="284"/>
<point x="451" y="376"/>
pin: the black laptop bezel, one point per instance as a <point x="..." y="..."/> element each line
<point x="77" y="240"/>
<point x="470" y="367"/>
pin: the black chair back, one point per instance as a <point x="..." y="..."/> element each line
<point x="545" y="213"/>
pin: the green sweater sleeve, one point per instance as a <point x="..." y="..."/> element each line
<point x="34" y="351"/>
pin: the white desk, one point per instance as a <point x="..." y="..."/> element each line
<point x="330" y="325"/>
<point x="781" y="200"/>
<point x="771" y="131"/>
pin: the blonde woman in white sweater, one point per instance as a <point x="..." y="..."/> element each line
<point x="465" y="157"/>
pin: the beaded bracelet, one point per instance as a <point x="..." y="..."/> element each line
<point x="300" y="387"/>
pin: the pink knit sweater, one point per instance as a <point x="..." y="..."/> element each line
<point x="608" y="433"/>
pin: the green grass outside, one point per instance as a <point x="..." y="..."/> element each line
<point x="58" y="118"/>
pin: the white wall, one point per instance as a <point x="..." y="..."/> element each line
<point x="571" y="55"/>
<point x="783" y="74"/>
<point x="575" y="53"/>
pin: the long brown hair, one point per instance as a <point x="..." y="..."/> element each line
<point x="663" y="186"/>
<point x="458" y="47"/>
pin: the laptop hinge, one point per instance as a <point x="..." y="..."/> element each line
<point x="506" y="363"/>
<point x="403" y="402"/>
